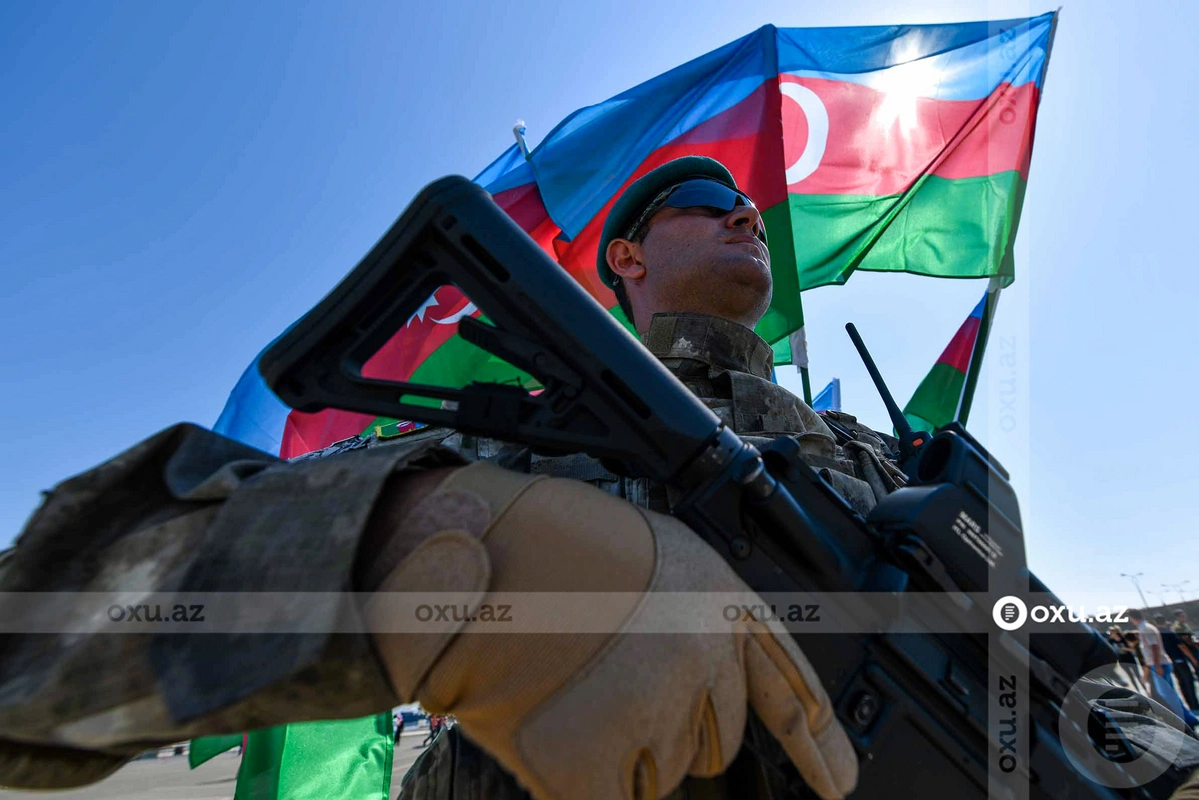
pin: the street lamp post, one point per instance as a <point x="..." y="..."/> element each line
<point x="1137" y="583"/>
<point x="1178" y="588"/>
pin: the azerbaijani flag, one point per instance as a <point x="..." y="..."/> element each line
<point x="207" y="748"/>
<point x="829" y="398"/>
<point x="900" y="148"/>
<point x="938" y="398"/>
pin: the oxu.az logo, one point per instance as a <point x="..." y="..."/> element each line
<point x="1011" y="612"/>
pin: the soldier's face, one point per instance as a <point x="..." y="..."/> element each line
<point x="702" y="252"/>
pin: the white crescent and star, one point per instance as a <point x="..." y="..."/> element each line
<point x="420" y="312"/>
<point x="817" y="116"/>
<point x="466" y="311"/>
<point x="450" y="319"/>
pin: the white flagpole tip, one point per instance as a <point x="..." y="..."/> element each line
<point x="518" y="130"/>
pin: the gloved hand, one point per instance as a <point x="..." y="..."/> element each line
<point x="593" y="716"/>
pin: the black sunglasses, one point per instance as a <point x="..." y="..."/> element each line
<point x="697" y="193"/>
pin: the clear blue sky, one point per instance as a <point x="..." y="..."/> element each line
<point x="181" y="181"/>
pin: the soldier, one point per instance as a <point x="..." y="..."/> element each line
<point x="685" y="253"/>
<point x="568" y="715"/>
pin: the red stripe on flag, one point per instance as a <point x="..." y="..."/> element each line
<point x="303" y="433"/>
<point x="957" y="352"/>
<point x="525" y="206"/>
<point x="745" y="138"/>
<point x="879" y="143"/>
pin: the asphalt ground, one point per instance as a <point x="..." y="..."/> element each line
<point x="170" y="779"/>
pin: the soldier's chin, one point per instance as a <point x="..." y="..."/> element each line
<point x="745" y="294"/>
<point x="748" y="272"/>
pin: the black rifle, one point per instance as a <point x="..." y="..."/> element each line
<point x="919" y="704"/>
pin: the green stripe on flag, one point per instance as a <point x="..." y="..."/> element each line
<point x="207" y="748"/>
<point x="335" y="760"/>
<point x="941" y="228"/>
<point x="935" y="401"/>
<point x="786" y="310"/>
<point x="458" y="362"/>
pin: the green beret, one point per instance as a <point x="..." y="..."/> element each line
<point x="642" y="192"/>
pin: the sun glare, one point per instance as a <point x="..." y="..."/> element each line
<point x="903" y="84"/>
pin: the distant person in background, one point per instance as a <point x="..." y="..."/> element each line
<point x="398" y="719"/>
<point x="1184" y="631"/>
<point x="1158" y="672"/>
<point x="1126" y="654"/>
<point x="1152" y="652"/>
<point x="1182" y="659"/>
<point x="435" y="723"/>
<point x="1190" y="642"/>
<point x="1133" y="639"/>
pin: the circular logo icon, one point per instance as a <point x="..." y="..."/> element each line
<point x="1010" y="612"/>
<point x="1089" y="724"/>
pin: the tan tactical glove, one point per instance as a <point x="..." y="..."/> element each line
<point x="593" y="715"/>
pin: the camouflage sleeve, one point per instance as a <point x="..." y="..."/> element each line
<point x="185" y="511"/>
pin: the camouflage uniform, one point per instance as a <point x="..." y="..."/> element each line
<point x="187" y="510"/>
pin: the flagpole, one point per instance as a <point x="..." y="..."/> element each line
<point x="976" y="355"/>
<point x="518" y="130"/>
<point x="980" y="345"/>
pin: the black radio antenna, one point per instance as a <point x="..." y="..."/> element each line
<point x="910" y="441"/>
